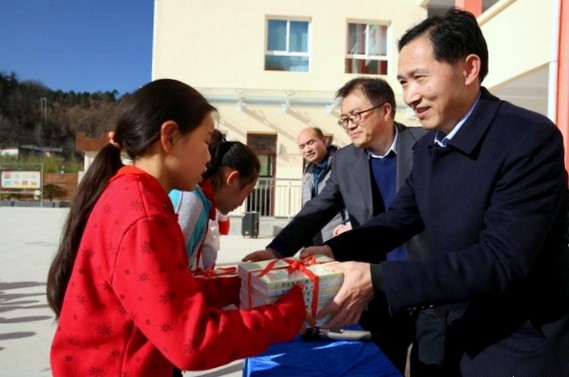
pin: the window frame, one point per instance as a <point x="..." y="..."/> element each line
<point x="381" y="59"/>
<point x="287" y="52"/>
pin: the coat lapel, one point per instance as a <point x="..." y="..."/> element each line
<point x="360" y="174"/>
<point x="477" y="124"/>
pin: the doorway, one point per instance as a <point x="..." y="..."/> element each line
<point x="262" y="198"/>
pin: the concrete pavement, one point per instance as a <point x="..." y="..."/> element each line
<point x="28" y="240"/>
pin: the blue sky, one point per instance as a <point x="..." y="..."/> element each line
<point x="79" y="45"/>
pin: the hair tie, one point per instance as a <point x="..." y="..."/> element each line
<point x="112" y="141"/>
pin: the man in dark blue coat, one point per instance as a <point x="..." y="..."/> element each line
<point x="489" y="186"/>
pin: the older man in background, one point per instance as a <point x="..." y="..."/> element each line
<point x="319" y="155"/>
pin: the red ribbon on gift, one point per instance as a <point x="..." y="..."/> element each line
<point x="293" y="265"/>
<point x="214" y="272"/>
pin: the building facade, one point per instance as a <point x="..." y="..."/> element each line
<point x="272" y="67"/>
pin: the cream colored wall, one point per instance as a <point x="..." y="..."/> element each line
<point x="221" y="43"/>
<point x="518" y="38"/>
<point x="218" y="47"/>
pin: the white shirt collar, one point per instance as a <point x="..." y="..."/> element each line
<point x="391" y="148"/>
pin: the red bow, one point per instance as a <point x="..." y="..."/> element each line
<point x="294" y="265"/>
<point x="214" y="272"/>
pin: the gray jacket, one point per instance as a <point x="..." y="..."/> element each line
<point x="308" y="193"/>
<point x="349" y="186"/>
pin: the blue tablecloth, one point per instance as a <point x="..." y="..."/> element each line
<point x="325" y="358"/>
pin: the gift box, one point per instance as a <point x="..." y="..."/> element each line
<point x="266" y="281"/>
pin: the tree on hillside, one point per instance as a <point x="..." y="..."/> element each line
<point x="31" y="113"/>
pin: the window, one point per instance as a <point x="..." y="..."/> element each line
<point x="287" y="46"/>
<point x="367" y="49"/>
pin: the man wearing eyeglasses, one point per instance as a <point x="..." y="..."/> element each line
<point x="365" y="177"/>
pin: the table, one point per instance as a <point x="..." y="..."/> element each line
<point x="325" y="358"/>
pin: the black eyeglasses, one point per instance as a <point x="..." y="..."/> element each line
<point x="356" y="117"/>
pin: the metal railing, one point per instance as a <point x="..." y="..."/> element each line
<point x="273" y="197"/>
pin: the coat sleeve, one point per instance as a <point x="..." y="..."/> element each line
<point x="170" y="309"/>
<point x="382" y="233"/>
<point x="220" y="291"/>
<point x="313" y="216"/>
